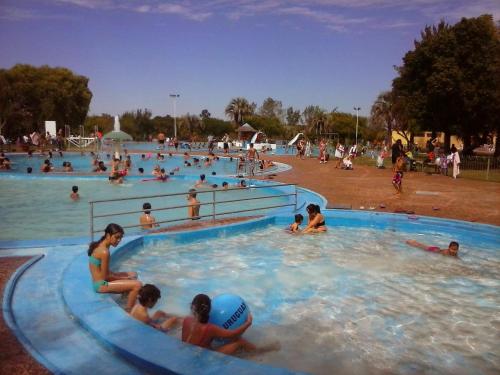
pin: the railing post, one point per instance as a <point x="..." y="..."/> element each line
<point x="213" y="206"/>
<point x="488" y="169"/>
<point x="295" y="186"/>
<point x="91" y="221"/>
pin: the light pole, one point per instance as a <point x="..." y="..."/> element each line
<point x="174" y="97"/>
<point x="357" y="122"/>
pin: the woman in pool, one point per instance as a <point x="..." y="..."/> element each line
<point x="197" y="331"/>
<point x="316" y="222"/>
<point x="105" y="281"/>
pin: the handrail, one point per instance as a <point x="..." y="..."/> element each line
<point x="213" y="203"/>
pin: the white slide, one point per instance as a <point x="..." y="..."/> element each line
<point x="254" y="138"/>
<point x="294" y="139"/>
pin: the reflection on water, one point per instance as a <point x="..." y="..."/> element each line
<point x="348" y="301"/>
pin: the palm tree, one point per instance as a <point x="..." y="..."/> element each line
<point x="238" y="108"/>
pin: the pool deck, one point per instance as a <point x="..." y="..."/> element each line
<point x="364" y="188"/>
<point x="369" y="187"/>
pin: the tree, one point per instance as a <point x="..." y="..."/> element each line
<point x="293" y="116"/>
<point x="30" y="95"/>
<point x="272" y="108"/>
<point x="270" y="126"/>
<point x="450" y="82"/>
<point x="238" y="108"/>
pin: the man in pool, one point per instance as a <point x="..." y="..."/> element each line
<point x="452" y="249"/>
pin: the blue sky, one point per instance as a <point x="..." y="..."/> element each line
<point x="331" y="53"/>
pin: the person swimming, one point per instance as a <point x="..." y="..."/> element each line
<point x="452" y="249"/>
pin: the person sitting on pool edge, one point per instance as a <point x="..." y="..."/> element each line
<point x="105" y="281"/>
<point x="147" y="298"/>
<point x="146" y="220"/>
<point x="196" y="330"/>
<point x="452" y="249"/>
<point x="316" y="222"/>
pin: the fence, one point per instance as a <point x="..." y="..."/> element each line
<point x="214" y="204"/>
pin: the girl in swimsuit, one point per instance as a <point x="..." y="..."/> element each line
<point x="197" y="331"/>
<point x="452" y="249"/>
<point x="316" y="220"/>
<point x="105" y="281"/>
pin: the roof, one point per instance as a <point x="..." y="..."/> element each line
<point x="246" y="128"/>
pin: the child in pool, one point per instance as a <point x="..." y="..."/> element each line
<point x="452" y="249"/>
<point x="294" y="227"/>
<point x="147" y="298"/>
<point x="74" y="195"/>
<point x="146" y="220"/>
<point x="196" y="330"/>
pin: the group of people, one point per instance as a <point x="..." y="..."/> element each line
<point x="196" y="329"/>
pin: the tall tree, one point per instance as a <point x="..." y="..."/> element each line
<point x="30" y="95"/>
<point x="293" y="116"/>
<point x="272" y="108"/>
<point x="450" y="80"/>
<point x="238" y="109"/>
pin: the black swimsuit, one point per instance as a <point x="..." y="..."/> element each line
<point x="322" y="224"/>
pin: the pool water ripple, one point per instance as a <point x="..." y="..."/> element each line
<point x="353" y="300"/>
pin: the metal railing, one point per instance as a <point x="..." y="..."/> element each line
<point x="213" y="204"/>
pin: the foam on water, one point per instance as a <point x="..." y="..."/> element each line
<point x="348" y="301"/>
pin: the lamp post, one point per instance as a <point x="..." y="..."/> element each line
<point x="357" y="122"/>
<point x="174" y="97"/>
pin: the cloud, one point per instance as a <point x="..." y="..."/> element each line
<point x="336" y="15"/>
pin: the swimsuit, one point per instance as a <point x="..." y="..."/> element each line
<point x="322" y="224"/>
<point x="97" y="284"/>
<point x="434" y="249"/>
<point x="397" y="179"/>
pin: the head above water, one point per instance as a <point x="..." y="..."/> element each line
<point x="299" y="218"/>
<point x="149" y="295"/>
<point x="313" y="209"/>
<point x="147" y="208"/>
<point x="200" y="307"/>
<point x="453" y="248"/>
<point x="74" y="189"/>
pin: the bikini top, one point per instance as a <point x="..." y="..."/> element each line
<point x="322" y="224"/>
<point x="96" y="262"/>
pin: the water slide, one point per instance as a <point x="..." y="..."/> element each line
<point x="294" y="139"/>
<point x="254" y="138"/>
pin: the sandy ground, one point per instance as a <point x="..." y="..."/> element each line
<point x="423" y="194"/>
<point x="367" y="187"/>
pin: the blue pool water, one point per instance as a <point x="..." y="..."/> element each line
<point x="83" y="164"/>
<point x="40" y="208"/>
<point x="356" y="299"/>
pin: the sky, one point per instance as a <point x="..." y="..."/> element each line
<point x="331" y="53"/>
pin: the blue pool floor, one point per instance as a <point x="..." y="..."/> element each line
<point x="43" y="323"/>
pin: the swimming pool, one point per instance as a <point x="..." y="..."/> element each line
<point x="40" y="207"/>
<point x="202" y="146"/>
<point x="354" y="300"/>
<point x="83" y="164"/>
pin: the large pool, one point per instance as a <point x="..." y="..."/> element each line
<point x="354" y="300"/>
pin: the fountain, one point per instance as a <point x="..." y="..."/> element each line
<point x="117" y="136"/>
